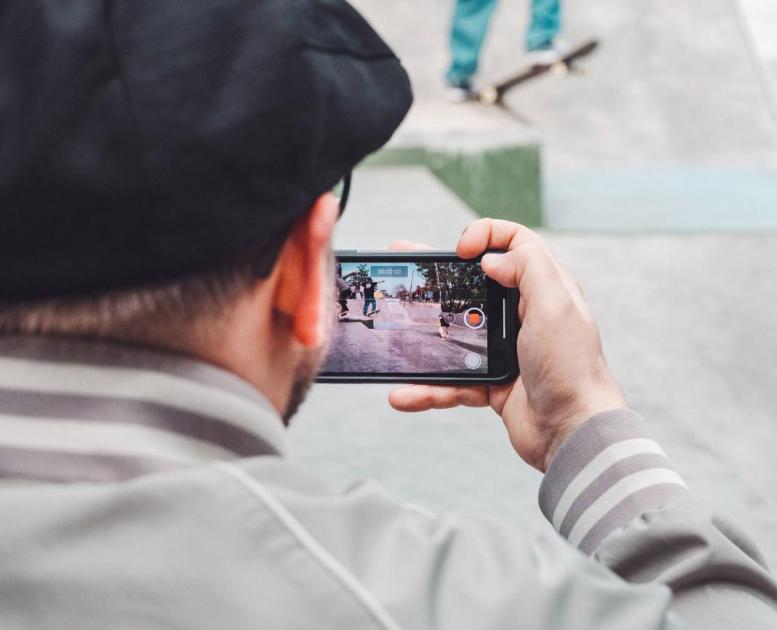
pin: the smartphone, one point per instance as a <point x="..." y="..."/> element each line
<point x="420" y="317"/>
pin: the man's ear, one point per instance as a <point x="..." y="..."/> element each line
<point x="304" y="277"/>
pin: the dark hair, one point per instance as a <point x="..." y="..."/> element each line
<point x="167" y="314"/>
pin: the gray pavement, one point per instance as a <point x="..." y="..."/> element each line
<point x="689" y="330"/>
<point x="757" y="20"/>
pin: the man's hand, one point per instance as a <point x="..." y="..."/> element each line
<point x="564" y="377"/>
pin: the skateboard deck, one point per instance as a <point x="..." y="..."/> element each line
<point x="494" y="94"/>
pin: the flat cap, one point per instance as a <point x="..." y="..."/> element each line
<point x="144" y="140"/>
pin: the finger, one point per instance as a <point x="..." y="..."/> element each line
<point x="498" y="395"/>
<point x="531" y="268"/>
<point x="408" y="246"/>
<point x="497" y="234"/>
<point x="485" y="234"/>
<point x="425" y="397"/>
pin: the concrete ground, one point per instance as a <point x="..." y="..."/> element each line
<point x="689" y="329"/>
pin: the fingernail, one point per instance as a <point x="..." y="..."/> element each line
<point x="492" y="259"/>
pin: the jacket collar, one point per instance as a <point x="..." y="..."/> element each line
<point x="73" y="410"/>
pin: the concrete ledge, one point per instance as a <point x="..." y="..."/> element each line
<point x="487" y="157"/>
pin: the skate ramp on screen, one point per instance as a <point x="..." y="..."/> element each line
<point x="394" y="310"/>
<point x="672" y="126"/>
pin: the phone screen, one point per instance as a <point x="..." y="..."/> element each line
<point x="410" y="317"/>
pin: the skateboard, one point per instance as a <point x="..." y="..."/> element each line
<point x="377" y="310"/>
<point x="494" y="94"/>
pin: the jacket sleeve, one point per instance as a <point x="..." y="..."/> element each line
<point x="611" y="492"/>
<point x="647" y="556"/>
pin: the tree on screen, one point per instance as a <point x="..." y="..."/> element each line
<point x="456" y="286"/>
<point x="360" y="276"/>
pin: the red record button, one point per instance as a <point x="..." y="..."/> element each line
<point x="474" y="318"/>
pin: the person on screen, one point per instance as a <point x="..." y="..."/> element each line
<point x="343" y="293"/>
<point x="443" y="327"/>
<point x="369" y="297"/>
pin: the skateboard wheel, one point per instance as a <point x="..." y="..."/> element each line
<point x="560" y="68"/>
<point x="489" y="96"/>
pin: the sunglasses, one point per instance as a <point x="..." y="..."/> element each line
<point x="341" y="190"/>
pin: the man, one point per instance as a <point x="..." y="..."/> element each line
<point x="443" y="326"/>
<point x="468" y="32"/>
<point x="164" y="169"/>
<point x="369" y="297"/>
<point x="344" y="290"/>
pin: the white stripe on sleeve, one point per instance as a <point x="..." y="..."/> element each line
<point x="617" y="493"/>
<point x="609" y="456"/>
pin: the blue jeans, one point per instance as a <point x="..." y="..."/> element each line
<point x="368" y="302"/>
<point x="470" y="24"/>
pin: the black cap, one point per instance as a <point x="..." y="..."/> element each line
<point x="144" y="140"/>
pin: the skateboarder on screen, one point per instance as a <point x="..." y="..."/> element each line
<point x="470" y="25"/>
<point x="369" y="297"/>
<point x="344" y="290"/>
<point x="342" y="295"/>
<point x="444" y="325"/>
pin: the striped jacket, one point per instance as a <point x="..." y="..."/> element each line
<point x="144" y="490"/>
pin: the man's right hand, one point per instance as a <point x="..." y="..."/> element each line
<point x="564" y="377"/>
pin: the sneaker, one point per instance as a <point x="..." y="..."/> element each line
<point x="459" y="91"/>
<point x="549" y="55"/>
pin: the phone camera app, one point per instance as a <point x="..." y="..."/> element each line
<point x="410" y="318"/>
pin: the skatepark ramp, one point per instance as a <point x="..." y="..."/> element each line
<point x="672" y="125"/>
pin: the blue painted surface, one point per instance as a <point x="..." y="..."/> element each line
<point x="662" y="199"/>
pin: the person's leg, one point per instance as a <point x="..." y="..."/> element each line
<point x="470" y="23"/>
<point x="373" y="304"/>
<point x="364" y="308"/>
<point x="544" y="25"/>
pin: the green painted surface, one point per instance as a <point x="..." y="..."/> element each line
<point x="395" y="156"/>
<point x="503" y="183"/>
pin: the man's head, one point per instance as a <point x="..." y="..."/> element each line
<point x="174" y="193"/>
<point x="272" y="331"/>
